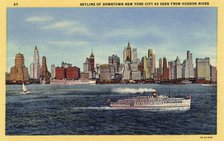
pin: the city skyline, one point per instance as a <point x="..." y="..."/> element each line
<point x="80" y="30"/>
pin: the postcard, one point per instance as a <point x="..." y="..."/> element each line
<point x="118" y="70"/>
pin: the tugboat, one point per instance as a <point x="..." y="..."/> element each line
<point x="153" y="102"/>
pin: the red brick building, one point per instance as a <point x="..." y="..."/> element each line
<point x="72" y="73"/>
<point x="60" y="73"/>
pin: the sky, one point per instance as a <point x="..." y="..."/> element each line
<point x="69" y="34"/>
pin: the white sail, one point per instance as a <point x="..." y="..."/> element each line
<point x="24" y="88"/>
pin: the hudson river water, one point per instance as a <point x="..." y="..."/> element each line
<point x="83" y="110"/>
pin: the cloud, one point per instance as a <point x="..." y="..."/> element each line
<point x="39" y="19"/>
<point x="69" y="43"/>
<point x="69" y="27"/>
<point x="60" y="25"/>
<point x="136" y="32"/>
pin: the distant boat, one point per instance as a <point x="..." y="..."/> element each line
<point x="25" y="90"/>
<point x="209" y="85"/>
<point x="72" y="82"/>
<point x="186" y="82"/>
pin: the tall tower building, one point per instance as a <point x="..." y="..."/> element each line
<point x="160" y="66"/>
<point x="52" y="71"/>
<point x="134" y="55"/>
<point x="89" y="66"/>
<point x="146" y="68"/>
<point x="85" y="66"/>
<point x="152" y="59"/>
<point x="171" y="70"/>
<point x="19" y="73"/>
<point x="128" y="52"/>
<point x="213" y="73"/>
<point x="35" y="66"/>
<point x="91" y="62"/>
<point x="203" y="68"/>
<point x="165" y="69"/>
<point x="127" y="71"/>
<point x="178" y="68"/>
<point x="114" y="60"/>
<point x="124" y="55"/>
<point x="105" y="72"/>
<point x="189" y="57"/>
<point x="45" y="74"/>
<point x="188" y="68"/>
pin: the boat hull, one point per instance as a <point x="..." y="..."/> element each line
<point x="161" y="103"/>
<point x="152" y="108"/>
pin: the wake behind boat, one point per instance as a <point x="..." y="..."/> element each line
<point x="209" y="85"/>
<point x="153" y="102"/>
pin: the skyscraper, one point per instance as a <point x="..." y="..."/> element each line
<point x="114" y="60"/>
<point x="114" y="63"/>
<point x="134" y="55"/>
<point x="178" y="69"/>
<point x="91" y="62"/>
<point x="135" y="72"/>
<point x="45" y="74"/>
<point x="165" y="70"/>
<point x="105" y="72"/>
<point x="52" y="71"/>
<point x="127" y="71"/>
<point x="85" y="66"/>
<point x="160" y="66"/>
<point x="128" y="52"/>
<point x="19" y="73"/>
<point x="97" y="71"/>
<point x="171" y="70"/>
<point x="35" y="66"/>
<point x="152" y="61"/>
<point x="146" y="68"/>
<point x="124" y="55"/>
<point x="203" y="68"/>
<point x="213" y="73"/>
<point x="188" y="68"/>
<point x="89" y="66"/>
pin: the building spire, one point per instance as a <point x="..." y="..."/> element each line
<point x="129" y="46"/>
<point x="92" y="54"/>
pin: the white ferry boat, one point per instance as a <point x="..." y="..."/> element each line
<point x="72" y="82"/>
<point x="153" y="102"/>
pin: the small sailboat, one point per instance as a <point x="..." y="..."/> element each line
<point x="25" y="90"/>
